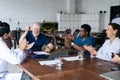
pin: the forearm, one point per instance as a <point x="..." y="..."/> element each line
<point x="23" y="36"/>
<point x="80" y="48"/>
<point x="67" y="45"/>
<point x="49" y="47"/>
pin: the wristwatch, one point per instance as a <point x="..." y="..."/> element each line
<point x="72" y="43"/>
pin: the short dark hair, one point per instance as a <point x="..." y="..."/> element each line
<point x="4" y="28"/>
<point x="86" y="27"/>
<point x="116" y="27"/>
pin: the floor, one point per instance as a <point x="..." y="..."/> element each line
<point x="13" y="68"/>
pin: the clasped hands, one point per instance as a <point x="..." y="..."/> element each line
<point x="23" y="45"/>
<point x="69" y="38"/>
<point x="92" y="50"/>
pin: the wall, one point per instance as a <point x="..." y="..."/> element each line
<point x="95" y="6"/>
<point x="29" y="11"/>
<point x="74" y="21"/>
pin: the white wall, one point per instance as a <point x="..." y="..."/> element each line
<point x="29" y="11"/>
<point x="94" y="6"/>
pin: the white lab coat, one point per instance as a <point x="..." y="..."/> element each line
<point x="13" y="56"/>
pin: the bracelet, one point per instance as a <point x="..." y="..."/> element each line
<point x="72" y="43"/>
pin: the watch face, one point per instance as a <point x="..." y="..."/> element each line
<point x="72" y="43"/>
<point x="112" y="55"/>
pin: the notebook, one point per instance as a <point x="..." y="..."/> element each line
<point x="113" y="75"/>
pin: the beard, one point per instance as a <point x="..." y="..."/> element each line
<point x="35" y="35"/>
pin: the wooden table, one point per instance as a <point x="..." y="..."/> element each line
<point x="89" y="69"/>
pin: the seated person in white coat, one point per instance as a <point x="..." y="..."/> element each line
<point x="111" y="45"/>
<point x="8" y="55"/>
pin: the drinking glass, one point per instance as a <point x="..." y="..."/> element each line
<point x="58" y="63"/>
<point x="80" y="55"/>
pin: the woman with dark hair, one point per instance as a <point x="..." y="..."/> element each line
<point x="110" y="46"/>
<point x="7" y="55"/>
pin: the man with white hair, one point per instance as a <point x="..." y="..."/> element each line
<point x="37" y="38"/>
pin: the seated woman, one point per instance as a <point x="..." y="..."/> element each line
<point x="111" y="45"/>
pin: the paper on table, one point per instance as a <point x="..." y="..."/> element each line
<point x="49" y="62"/>
<point x="72" y="58"/>
<point x="41" y="52"/>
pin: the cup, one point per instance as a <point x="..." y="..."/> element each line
<point x="58" y="63"/>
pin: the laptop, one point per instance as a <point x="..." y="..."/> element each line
<point x="113" y="75"/>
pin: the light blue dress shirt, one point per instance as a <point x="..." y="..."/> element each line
<point x="105" y="52"/>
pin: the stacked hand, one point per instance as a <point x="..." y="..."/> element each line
<point x="24" y="45"/>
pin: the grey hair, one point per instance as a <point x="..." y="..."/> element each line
<point x="38" y="24"/>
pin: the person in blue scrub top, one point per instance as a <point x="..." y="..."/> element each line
<point x="81" y="39"/>
<point x="36" y="38"/>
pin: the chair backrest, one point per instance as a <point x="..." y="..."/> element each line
<point x="68" y="31"/>
<point x="13" y="34"/>
<point x="52" y="39"/>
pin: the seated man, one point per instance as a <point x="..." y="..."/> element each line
<point x="36" y="38"/>
<point x="83" y="38"/>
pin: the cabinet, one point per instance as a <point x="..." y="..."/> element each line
<point x="74" y="21"/>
